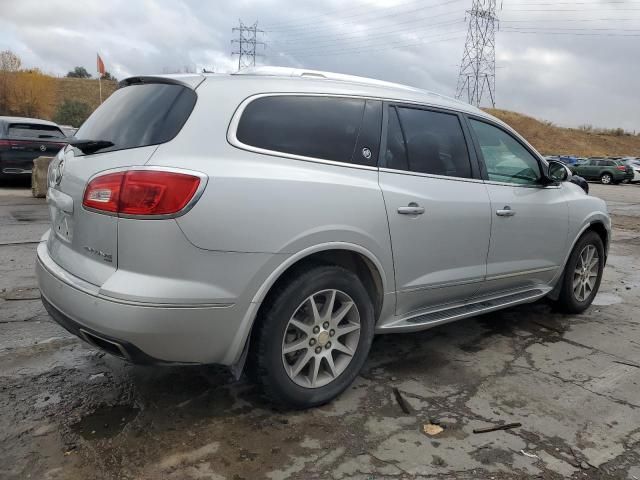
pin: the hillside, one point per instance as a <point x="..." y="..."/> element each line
<point x="85" y="90"/>
<point x="549" y="139"/>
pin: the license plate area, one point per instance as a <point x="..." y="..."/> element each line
<point x="63" y="225"/>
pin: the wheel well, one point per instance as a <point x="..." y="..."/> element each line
<point x="600" y="229"/>
<point x="353" y="261"/>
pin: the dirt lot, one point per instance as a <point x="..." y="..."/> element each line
<point x="573" y="382"/>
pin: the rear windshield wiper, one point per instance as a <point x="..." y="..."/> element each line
<point x="90" y="146"/>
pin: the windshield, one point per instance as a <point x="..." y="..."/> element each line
<point x="139" y="115"/>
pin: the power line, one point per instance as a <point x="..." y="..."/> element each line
<point x="388" y="46"/>
<point x="351" y="41"/>
<point x="296" y="36"/>
<point x="578" y="34"/>
<point x="247" y="42"/>
<point x="350" y="19"/>
<point x="279" y="26"/>
<point x="478" y="66"/>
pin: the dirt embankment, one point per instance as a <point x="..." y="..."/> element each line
<point x="550" y="139"/>
<point x="85" y="90"/>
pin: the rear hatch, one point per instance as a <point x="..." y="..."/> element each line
<point x="124" y="131"/>
<point x="24" y="141"/>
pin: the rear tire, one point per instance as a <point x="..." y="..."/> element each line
<point x="582" y="274"/>
<point x="606" y="178"/>
<point x="305" y="349"/>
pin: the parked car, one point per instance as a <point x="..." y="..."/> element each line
<point x="24" y="139"/>
<point x="634" y="163"/>
<point x="284" y="217"/>
<point x="605" y="170"/>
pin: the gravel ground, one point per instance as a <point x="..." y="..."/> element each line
<point x="572" y="382"/>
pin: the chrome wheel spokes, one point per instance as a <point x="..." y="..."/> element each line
<point x="586" y="272"/>
<point x="321" y="338"/>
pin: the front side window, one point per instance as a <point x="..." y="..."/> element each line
<point x="320" y="127"/>
<point x="505" y="158"/>
<point x="426" y="141"/>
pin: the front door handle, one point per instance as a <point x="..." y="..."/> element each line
<point x="505" y="212"/>
<point x="411" y="209"/>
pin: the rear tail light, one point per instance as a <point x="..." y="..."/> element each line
<point x="5" y="143"/>
<point x="621" y="168"/>
<point x="145" y="193"/>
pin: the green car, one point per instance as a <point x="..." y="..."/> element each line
<point x="605" y="170"/>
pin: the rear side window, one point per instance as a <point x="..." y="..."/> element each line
<point x="33" y="130"/>
<point x="140" y="115"/>
<point x="426" y="141"/>
<point x="328" y="128"/>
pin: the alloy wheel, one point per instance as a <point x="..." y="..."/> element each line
<point x="606" y="179"/>
<point x="586" y="272"/>
<point x="321" y="338"/>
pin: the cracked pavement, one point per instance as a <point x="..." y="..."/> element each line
<point x="572" y="382"/>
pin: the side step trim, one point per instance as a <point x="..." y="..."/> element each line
<point x="439" y="317"/>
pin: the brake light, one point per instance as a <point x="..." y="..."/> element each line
<point x="621" y="168"/>
<point x="5" y="143"/>
<point x="141" y="192"/>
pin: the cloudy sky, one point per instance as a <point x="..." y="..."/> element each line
<point x="572" y="62"/>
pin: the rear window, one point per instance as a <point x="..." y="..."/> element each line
<point x="327" y="128"/>
<point x="33" y="130"/>
<point x="140" y="115"/>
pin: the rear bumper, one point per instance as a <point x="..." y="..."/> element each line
<point x="138" y="332"/>
<point x="10" y="167"/>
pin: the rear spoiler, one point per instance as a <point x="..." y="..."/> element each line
<point x="191" y="81"/>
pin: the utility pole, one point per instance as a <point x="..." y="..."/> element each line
<point x="478" y="68"/>
<point x="247" y="42"/>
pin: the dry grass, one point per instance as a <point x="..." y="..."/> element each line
<point x="549" y="139"/>
<point x="85" y="90"/>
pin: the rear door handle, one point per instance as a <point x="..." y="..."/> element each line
<point x="505" y="212"/>
<point x="411" y="209"/>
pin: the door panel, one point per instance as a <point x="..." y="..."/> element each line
<point x="528" y="248"/>
<point x="439" y="216"/>
<point x="530" y="220"/>
<point x="440" y="255"/>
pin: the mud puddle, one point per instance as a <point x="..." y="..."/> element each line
<point x="105" y="422"/>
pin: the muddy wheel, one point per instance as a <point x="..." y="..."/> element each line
<point x="313" y="338"/>
<point x="582" y="275"/>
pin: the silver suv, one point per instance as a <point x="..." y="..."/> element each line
<point x="284" y="217"/>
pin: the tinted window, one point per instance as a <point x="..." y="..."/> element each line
<point x="140" y="115"/>
<point x="505" y="158"/>
<point x="429" y="142"/>
<point x="33" y="130"/>
<point x="317" y="127"/>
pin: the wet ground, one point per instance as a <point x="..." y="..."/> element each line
<point x="572" y="382"/>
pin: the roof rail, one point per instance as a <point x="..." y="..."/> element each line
<point x="299" y="72"/>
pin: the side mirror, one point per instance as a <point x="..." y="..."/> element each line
<point x="558" y="171"/>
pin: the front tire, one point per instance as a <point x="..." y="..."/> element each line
<point x="583" y="274"/>
<point x="606" y="178"/>
<point x="313" y="337"/>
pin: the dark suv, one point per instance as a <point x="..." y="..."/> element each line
<point x="22" y="140"/>
<point x="605" y="170"/>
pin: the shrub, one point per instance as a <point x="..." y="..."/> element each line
<point x="72" y="112"/>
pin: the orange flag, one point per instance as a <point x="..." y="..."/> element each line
<point x="101" y="68"/>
